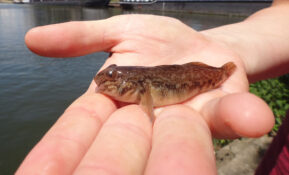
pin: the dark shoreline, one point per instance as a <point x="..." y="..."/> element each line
<point x="233" y="8"/>
<point x="207" y="7"/>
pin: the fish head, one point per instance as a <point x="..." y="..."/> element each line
<point x="118" y="82"/>
<point x="108" y="80"/>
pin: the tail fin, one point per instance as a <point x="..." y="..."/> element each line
<point x="229" y="68"/>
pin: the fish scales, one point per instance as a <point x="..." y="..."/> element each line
<point x="160" y="85"/>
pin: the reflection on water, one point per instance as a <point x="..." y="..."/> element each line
<point x="36" y="90"/>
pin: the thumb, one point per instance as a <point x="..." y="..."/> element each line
<point x="240" y="114"/>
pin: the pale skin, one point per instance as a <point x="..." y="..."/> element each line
<point x="96" y="136"/>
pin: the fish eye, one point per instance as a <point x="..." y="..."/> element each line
<point x="111" y="73"/>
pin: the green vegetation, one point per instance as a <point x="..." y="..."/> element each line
<point x="275" y="92"/>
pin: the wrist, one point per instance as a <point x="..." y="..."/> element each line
<point x="261" y="41"/>
<point x="230" y="38"/>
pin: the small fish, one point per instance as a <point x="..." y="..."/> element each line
<point x="160" y="85"/>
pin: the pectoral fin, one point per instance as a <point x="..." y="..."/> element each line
<point x="146" y="102"/>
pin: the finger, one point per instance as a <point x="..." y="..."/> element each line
<point x="122" y="146"/>
<point x="72" y="38"/>
<point x="79" y="38"/>
<point x="63" y="146"/>
<point x="235" y="115"/>
<point x="181" y="144"/>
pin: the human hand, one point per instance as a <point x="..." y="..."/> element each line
<point x="94" y="137"/>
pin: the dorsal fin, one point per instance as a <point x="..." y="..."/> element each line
<point x="197" y="64"/>
<point x="112" y="65"/>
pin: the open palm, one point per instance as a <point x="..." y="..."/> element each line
<point x="94" y="137"/>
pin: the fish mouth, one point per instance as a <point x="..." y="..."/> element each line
<point x="97" y="80"/>
<point x="99" y="88"/>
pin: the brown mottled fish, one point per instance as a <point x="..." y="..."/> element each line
<point x="160" y="85"/>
